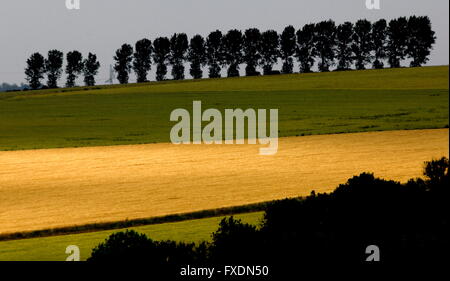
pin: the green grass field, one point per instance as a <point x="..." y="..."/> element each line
<point x="318" y="103"/>
<point x="53" y="248"/>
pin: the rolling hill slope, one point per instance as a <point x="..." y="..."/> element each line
<point x="317" y="103"/>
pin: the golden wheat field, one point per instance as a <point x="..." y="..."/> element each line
<point x="72" y="186"/>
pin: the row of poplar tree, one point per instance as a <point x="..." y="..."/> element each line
<point x="343" y="46"/>
<point x="38" y="67"/>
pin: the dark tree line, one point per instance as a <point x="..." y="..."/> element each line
<point x="408" y="223"/>
<point x="349" y="45"/>
<point x="52" y="66"/>
<point x="360" y="45"/>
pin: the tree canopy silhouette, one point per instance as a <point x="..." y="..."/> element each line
<point x="270" y="51"/>
<point x="397" y="41"/>
<point x="197" y="56"/>
<point x="420" y="41"/>
<point x="161" y="52"/>
<point x="437" y="175"/>
<point x="35" y="70"/>
<point x="53" y="66"/>
<point x="232" y="44"/>
<point x="406" y="221"/>
<point x="142" y="62"/>
<point x="90" y="69"/>
<point x="344" y="52"/>
<point x="131" y="248"/>
<point x="288" y="43"/>
<point x="128" y="245"/>
<point x="214" y="53"/>
<point x="178" y="47"/>
<point x="325" y="43"/>
<point x="379" y="40"/>
<point x="362" y="43"/>
<point x="233" y="236"/>
<point x="74" y="67"/>
<point x="251" y="50"/>
<point x="124" y="59"/>
<point x="306" y="48"/>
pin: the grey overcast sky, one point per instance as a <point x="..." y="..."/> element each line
<point x="101" y="26"/>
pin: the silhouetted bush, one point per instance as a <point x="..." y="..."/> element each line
<point x="408" y="222"/>
<point x="124" y="246"/>
<point x="437" y="175"/>
<point x="235" y="243"/>
<point x="132" y="248"/>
